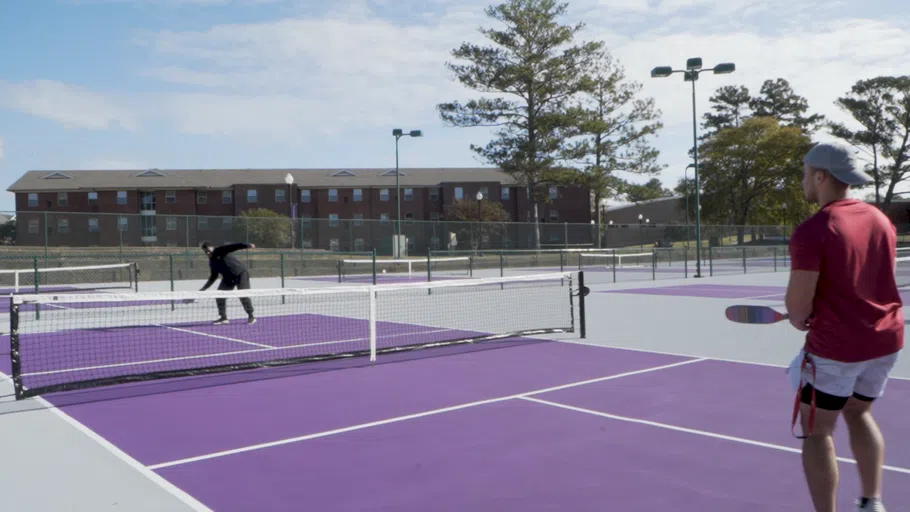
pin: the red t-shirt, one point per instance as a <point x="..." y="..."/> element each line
<point x="857" y="313"/>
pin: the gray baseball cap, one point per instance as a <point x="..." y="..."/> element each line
<point x="838" y="160"/>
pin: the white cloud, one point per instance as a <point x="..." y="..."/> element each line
<point x="69" y="105"/>
<point x="350" y="70"/>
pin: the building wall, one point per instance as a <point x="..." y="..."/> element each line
<point x="187" y="217"/>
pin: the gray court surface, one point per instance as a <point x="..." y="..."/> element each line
<point x="52" y="463"/>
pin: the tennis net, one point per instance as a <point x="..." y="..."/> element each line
<point x="404" y="269"/>
<point x="89" y="340"/>
<point x="78" y="278"/>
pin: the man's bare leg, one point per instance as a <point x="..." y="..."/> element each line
<point x="820" y="459"/>
<point x="867" y="444"/>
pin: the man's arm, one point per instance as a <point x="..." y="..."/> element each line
<point x="800" y="293"/>
<point x="212" y="277"/>
<point x="225" y="249"/>
<point x="805" y="265"/>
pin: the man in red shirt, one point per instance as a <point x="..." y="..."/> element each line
<point x="843" y="293"/>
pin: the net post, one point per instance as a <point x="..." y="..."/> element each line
<point x="37" y="275"/>
<point x="340" y="263"/>
<point x="614" y="266"/>
<point x="470" y="266"/>
<point x="372" y="324"/>
<point x="711" y="260"/>
<point x="744" y="260"/>
<point x="581" y="304"/>
<point x="374" y="266"/>
<point x="774" y="252"/>
<point x="134" y="267"/>
<point x="654" y="265"/>
<point x="15" y="361"/>
<point x="502" y="269"/>
<point x="429" y="272"/>
<point x="170" y="264"/>
<point x="281" y="263"/>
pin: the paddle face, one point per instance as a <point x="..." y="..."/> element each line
<point x="748" y="314"/>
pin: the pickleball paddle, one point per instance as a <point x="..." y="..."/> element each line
<point x="750" y="314"/>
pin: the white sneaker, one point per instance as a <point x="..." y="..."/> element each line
<point x="873" y="505"/>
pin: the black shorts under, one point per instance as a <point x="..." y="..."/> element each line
<point x="826" y="401"/>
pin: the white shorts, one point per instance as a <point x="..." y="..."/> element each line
<point x="867" y="378"/>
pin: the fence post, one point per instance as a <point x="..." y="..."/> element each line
<point x="37" y="305"/>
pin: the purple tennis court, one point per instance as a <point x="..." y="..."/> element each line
<point x="519" y="422"/>
<point x="535" y="426"/>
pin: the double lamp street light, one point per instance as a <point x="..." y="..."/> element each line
<point x="690" y="74"/>
<point x="399" y="133"/>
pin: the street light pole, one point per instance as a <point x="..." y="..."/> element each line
<point x="399" y="133"/>
<point x="291" y="213"/>
<point x="691" y="74"/>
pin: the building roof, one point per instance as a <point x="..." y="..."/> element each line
<point x="63" y="180"/>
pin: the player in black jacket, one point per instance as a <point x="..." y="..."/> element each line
<point x="233" y="273"/>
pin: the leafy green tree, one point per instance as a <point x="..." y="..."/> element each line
<point x="750" y="170"/>
<point x="8" y="232"/>
<point x="881" y="107"/>
<point x="653" y="189"/>
<point x="266" y="228"/>
<point x="476" y="219"/>
<point x="613" y="132"/>
<point x="530" y="72"/>
<point x="732" y="105"/>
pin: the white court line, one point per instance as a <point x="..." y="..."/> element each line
<point x="182" y="330"/>
<point x="681" y="354"/>
<point x="773" y="295"/>
<point x="704" y="433"/>
<point x="413" y="416"/>
<point x="265" y="348"/>
<point x="175" y="491"/>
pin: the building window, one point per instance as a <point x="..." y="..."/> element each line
<point x="279" y="195"/>
<point x="333" y="245"/>
<point x="170" y="197"/>
<point x="307" y="243"/>
<point x="333" y="220"/>
<point x="358" y="244"/>
<point x="306" y="220"/>
<point x="62" y="199"/>
<point x="171" y="223"/>
<point x="202" y="222"/>
<point x="92" y="197"/>
<point x="33" y="226"/>
<point x="434" y="216"/>
<point x="409" y="194"/>
<point x="148" y="226"/>
<point x="121" y="197"/>
<point x="305" y="196"/>
<point x="147" y="201"/>
<point x="251" y="196"/>
<point x="506" y="193"/>
<point x="202" y="197"/>
<point x="434" y="242"/>
<point x="409" y="218"/>
<point x="32" y="200"/>
<point x="227" y="197"/>
<point x="383" y="218"/>
<point x="333" y="194"/>
<point x="383" y="194"/>
<point x="459" y="193"/>
<point x="227" y="223"/>
<point x="554" y="215"/>
<point x="358" y="195"/>
<point x="485" y="192"/>
<point x="93" y="226"/>
<point x="124" y="223"/>
<point x="554" y="192"/>
<point x="63" y="225"/>
<point x="358" y="219"/>
<point x="434" y="194"/>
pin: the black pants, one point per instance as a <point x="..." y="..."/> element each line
<point x="242" y="282"/>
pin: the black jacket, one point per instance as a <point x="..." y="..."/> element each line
<point x="223" y="262"/>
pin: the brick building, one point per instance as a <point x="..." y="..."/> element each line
<point x="339" y="209"/>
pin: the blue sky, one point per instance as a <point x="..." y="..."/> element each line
<point x="114" y="84"/>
